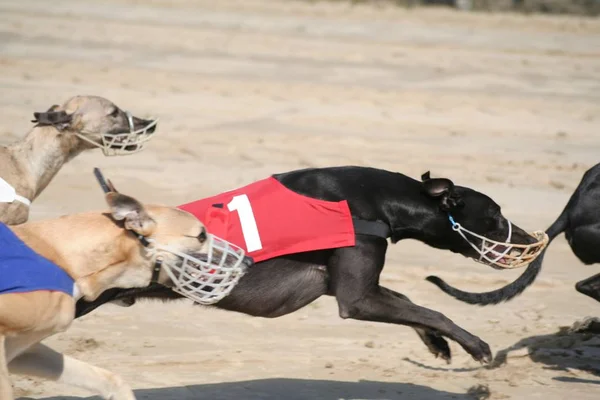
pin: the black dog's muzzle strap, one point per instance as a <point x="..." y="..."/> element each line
<point x="372" y="228"/>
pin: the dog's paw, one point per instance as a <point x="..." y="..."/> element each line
<point x="479" y="350"/>
<point x="437" y="345"/>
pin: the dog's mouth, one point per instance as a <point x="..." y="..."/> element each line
<point x="126" y="142"/>
<point x="199" y="270"/>
<point x="204" y="277"/>
<point x="511" y="255"/>
<point x="501" y="255"/>
<point x="137" y="127"/>
<point x="504" y="262"/>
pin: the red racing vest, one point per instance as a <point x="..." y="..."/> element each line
<point x="268" y="220"/>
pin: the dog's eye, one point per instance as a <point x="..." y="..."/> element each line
<point x="114" y="113"/>
<point x="202" y="236"/>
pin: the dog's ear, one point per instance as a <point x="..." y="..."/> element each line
<point x="59" y="119"/>
<point x="436" y="187"/>
<point x="127" y="208"/>
<point x="442" y="189"/>
<point x="111" y="186"/>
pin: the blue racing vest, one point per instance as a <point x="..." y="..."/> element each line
<point x="23" y="270"/>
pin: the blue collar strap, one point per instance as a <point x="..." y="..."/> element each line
<point x="451" y="220"/>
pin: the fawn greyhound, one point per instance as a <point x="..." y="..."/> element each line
<point x="59" y="134"/>
<point x="47" y="266"/>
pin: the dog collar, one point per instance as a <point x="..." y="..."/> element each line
<point x="77" y="294"/>
<point x="157" y="263"/>
<point x="23" y="200"/>
<point x="8" y="194"/>
<point x="371" y="228"/>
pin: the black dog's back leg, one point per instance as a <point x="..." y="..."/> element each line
<point x="590" y="287"/>
<point x="354" y="273"/>
<point x="436" y="344"/>
<point x="585" y="242"/>
<point x="277" y="287"/>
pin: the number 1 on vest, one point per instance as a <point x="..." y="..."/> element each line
<point x="241" y="204"/>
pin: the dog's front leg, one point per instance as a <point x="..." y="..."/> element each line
<point x="436" y="344"/>
<point x="354" y="273"/>
<point x="43" y="362"/>
<point x="6" y="392"/>
<point x="379" y="306"/>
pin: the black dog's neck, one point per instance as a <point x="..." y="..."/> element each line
<point x="375" y="195"/>
<point x="412" y="214"/>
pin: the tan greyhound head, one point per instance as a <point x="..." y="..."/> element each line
<point x="59" y="134"/>
<point x="132" y="246"/>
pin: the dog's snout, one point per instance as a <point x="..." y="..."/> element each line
<point x="152" y="128"/>
<point x="141" y="124"/>
<point x="248" y="261"/>
<point x="522" y="237"/>
<point x="202" y="236"/>
<point x="201" y="257"/>
<point x="531" y="239"/>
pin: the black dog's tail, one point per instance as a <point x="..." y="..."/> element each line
<point x="515" y="288"/>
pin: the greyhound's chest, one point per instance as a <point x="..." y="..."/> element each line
<point x="268" y="220"/>
<point x="23" y="270"/>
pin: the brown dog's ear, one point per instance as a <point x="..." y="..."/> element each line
<point x="59" y="119"/>
<point x="111" y="186"/>
<point x="127" y="208"/>
<point x="443" y="189"/>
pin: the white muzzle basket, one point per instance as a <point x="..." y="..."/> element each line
<point x="121" y="144"/>
<point x="505" y="255"/>
<point x="207" y="280"/>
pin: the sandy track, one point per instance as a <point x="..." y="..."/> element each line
<point x="506" y="104"/>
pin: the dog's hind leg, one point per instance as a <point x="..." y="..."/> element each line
<point x="585" y="242"/>
<point x="274" y="289"/>
<point x="43" y="362"/>
<point x="590" y="287"/>
<point x="354" y="273"/>
<point x="6" y="392"/>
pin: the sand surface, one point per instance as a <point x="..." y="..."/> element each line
<point x="506" y="104"/>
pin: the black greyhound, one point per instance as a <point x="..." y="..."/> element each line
<point x="411" y="209"/>
<point x="580" y="221"/>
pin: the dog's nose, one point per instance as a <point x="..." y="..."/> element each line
<point x="140" y="124"/>
<point x="248" y="261"/>
<point x="203" y="235"/>
<point x="522" y="237"/>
